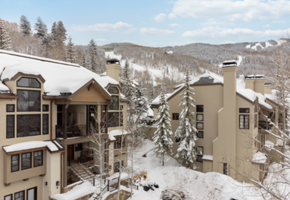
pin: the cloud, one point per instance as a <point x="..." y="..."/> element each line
<point x="217" y="32"/>
<point x="267" y="25"/>
<point x="155" y="31"/>
<point x="102" y="28"/>
<point x="231" y="10"/>
<point x="160" y="17"/>
<point x="100" y="40"/>
<point x="174" y="25"/>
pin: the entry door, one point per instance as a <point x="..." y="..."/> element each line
<point x="32" y="194"/>
<point x="70" y="152"/>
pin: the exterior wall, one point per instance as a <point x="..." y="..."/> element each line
<point x="268" y="89"/>
<point x="92" y="95"/>
<point x="207" y="166"/>
<point x="260" y="86"/>
<point x="224" y="147"/>
<point x="111" y="158"/>
<point x="250" y="84"/>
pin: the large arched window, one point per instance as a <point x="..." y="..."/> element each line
<point x="28" y="82"/>
<point x="113" y="90"/>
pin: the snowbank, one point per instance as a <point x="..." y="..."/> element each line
<point x="114" y="133"/>
<point x="77" y="192"/>
<point x="259" y="157"/>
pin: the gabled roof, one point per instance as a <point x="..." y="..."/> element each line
<point x="59" y="76"/>
<point x="210" y="78"/>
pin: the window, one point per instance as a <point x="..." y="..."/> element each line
<point x="117" y="166"/>
<point x="59" y="119"/>
<point x="177" y="140"/>
<point x="45" y="124"/>
<point x="15" y="163"/>
<point x="45" y="108"/>
<point x="121" y="119"/>
<point x="199" y="125"/>
<point x="117" y="145"/>
<point x="244" y="122"/>
<point x="199" y="150"/>
<point x="199" y="134"/>
<point x="10" y="108"/>
<point x="124" y="142"/>
<point x="10" y="126"/>
<point x="225" y="168"/>
<point x="199" y="158"/>
<point x="115" y="104"/>
<point x="25" y="161"/>
<point x="256" y="120"/>
<point x="28" y="82"/>
<point x="244" y="110"/>
<point x="28" y="125"/>
<point x="199" y="117"/>
<point x="78" y="147"/>
<point x="28" y="100"/>
<point x="8" y="197"/>
<point x="19" y="195"/>
<point x="175" y="116"/>
<point x="199" y="108"/>
<point x="38" y="158"/>
<point x="59" y="108"/>
<point x="113" y="90"/>
<point x="32" y="194"/>
<point x="113" y="119"/>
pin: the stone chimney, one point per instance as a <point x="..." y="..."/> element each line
<point x="113" y="68"/>
<point x="255" y="83"/>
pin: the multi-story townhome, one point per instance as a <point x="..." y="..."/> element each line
<point x="49" y="112"/>
<point x="228" y="121"/>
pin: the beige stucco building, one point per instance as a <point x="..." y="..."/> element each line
<point x="228" y="117"/>
<point x="49" y="112"/>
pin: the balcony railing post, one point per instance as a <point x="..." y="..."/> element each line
<point x="65" y="123"/>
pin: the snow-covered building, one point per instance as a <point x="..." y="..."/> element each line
<point x="48" y="112"/>
<point x="228" y="121"/>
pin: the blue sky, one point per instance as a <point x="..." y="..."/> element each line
<point x="158" y="22"/>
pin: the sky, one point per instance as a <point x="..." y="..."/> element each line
<point x="158" y="23"/>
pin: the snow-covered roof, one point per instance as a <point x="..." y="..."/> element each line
<point x="207" y="157"/>
<point x="210" y="77"/>
<point x="113" y="134"/>
<point x="53" y="146"/>
<point x="157" y="99"/>
<point x="59" y="76"/>
<point x="259" y="157"/>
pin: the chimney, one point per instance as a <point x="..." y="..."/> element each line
<point x="268" y="88"/>
<point x="113" y="68"/>
<point x="255" y="83"/>
<point x="230" y="83"/>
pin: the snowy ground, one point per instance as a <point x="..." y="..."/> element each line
<point x="195" y="185"/>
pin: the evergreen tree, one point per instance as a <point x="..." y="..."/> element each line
<point x="25" y="25"/>
<point x="53" y="30"/>
<point x="70" y="51"/>
<point x="126" y="71"/>
<point x="126" y="82"/>
<point x="152" y="92"/>
<point x="93" y="66"/>
<point x="186" y="132"/>
<point x="140" y="101"/>
<point x="41" y="28"/>
<point x="5" y="42"/>
<point x="60" y="33"/>
<point x="84" y="61"/>
<point x="162" y="136"/>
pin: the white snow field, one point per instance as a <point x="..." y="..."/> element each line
<point x="196" y="185"/>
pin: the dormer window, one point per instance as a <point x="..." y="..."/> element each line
<point x="113" y="90"/>
<point x="28" y="82"/>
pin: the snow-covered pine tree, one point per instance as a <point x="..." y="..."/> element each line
<point x="25" y="25"/>
<point x="186" y="131"/>
<point x="152" y="92"/>
<point x="93" y="65"/>
<point x="127" y="83"/>
<point x="53" y="30"/>
<point x="5" y="42"/>
<point x="140" y="101"/>
<point x="84" y="61"/>
<point x="70" y="51"/>
<point x="162" y="136"/>
<point x="40" y="28"/>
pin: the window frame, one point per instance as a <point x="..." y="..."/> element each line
<point x="35" y="192"/>
<point x="202" y="149"/>
<point x="244" y="122"/>
<point x="175" y="116"/>
<point x="28" y="82"/>
<point x="23" y="191"/>
<point x="118" y="143"/>
<point x="198" y="133"/>
<point x="112" y="105"/>
<point x="47" y="124"/>
<point x="199" y="115"/>
<point x="43" y="106"/>
<point x="9" y="195"/>
<point x="244" y="110"/>
<point x="199" y="158"/>
<point x="35" y="159"/>
<point x="12" y="126"/>
<point x="18" y="159"/>
<point x="29" y="162"/>
<point x="10" y="105"/>
<point x="197" y="125"/>
<point x="199" y="106"/>
<point x="225" y="169"/>
<point x="28" y="97"/>
<point x="39" y="125"/>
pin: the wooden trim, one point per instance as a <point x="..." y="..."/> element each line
<point x="50" y="121"/>
<point x="46" y="97"/>
<point x="41" y="59"/>
<point x="31" y="150"/>
<point x="81" y="103"/>
<point x="21" y="74"/>
<point x="8" y="96"/>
